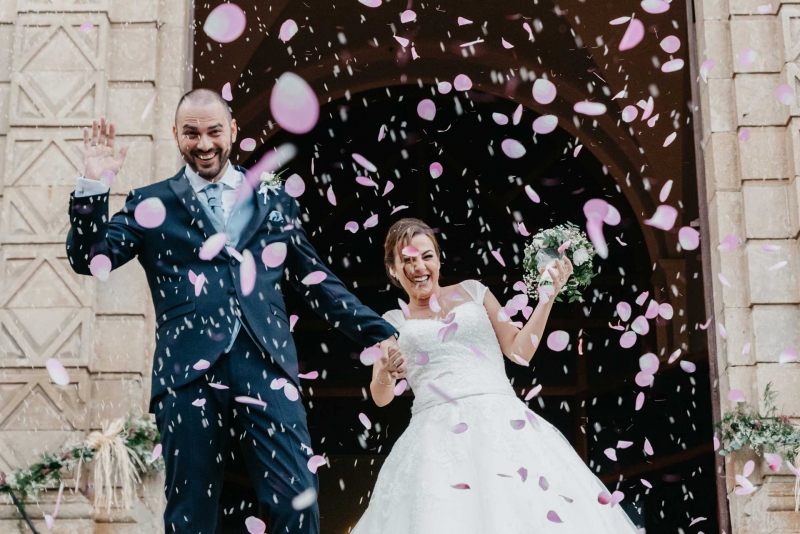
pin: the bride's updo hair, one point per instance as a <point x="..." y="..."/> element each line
<point x="400" y="235"/>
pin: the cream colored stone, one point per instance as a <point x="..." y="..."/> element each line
<point x="766" y="209"/>
<point x="790" y="24"/>
<point x="167" y="102"/>
<point x="721" y="103"/>
<point x="714" y="41"/>
<point x="712" y="10"/>
<point x="748" y="7"/>
<point x="175" y="14"/>
<point x="133" y="52"/>
<point x="722" y="161"/>
<point x="125" y="291"/>
<point x="172" y="57"/>
<point x="784" y="377"/>
<point x="8" y="11"/>
<point x="127" y="103"/>
<point x="794" y="207"/>
<point x="5" y="103"/>
<point x="138" y="167"/>
<point x="131" y="12"/>
<point x="739" y="327"/>
<point x="762" y="35"/>
<point x="115" y="396"/>
<point x="756" y="103"/>
<point x="777" y="286"/>
<point x="59" y="6"/>
<point x="742" y="378"/>
<point x="775" y="327"/>
<point x="765" y="154"/>
<point x="119" y="344"/>
<point x="6" y="43"/>
<point x="791" y="76"/>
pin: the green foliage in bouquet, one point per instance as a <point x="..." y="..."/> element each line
<point x="746" y="427"/>
<point x="543" y="248"/>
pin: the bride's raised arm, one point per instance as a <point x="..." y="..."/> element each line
<point x="520" y="344"/>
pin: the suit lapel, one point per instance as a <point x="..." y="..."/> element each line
<point x="188" y="199"/>
<point x="262" y="206"/>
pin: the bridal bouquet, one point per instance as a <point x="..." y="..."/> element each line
<point x="546" y="246"/>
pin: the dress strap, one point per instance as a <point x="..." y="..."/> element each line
<point x="475" y="289"/>
<point x="394" y="318"/>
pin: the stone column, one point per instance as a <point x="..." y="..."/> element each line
<point x="66" y="62"/>
<point x="751" y="145"/>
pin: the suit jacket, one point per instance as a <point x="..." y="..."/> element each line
<point x="191" y="328"/>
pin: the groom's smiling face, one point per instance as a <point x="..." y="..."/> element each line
<point x="205" y="133"/>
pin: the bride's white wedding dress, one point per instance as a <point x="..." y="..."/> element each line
<point x="474" y="458"/>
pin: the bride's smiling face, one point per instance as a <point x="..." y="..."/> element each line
<point x="418" y="270"/>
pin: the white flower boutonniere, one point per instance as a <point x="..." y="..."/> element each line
<point x="270" y="183"/>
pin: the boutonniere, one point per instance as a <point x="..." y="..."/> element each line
<point x="270" y="183"/>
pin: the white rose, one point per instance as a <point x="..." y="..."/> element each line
<point x="538" y="242"/>
<point x="580" y="256"/>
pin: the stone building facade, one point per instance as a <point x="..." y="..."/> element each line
<point x="56" y="72"/>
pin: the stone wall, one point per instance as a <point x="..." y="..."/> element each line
<point x="62" y="63"/>
<point x="752" y="192"/>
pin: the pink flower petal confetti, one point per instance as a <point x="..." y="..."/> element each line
<point x="649" y="363"/>
<point x="532" y="419"/>
<point x="630" y="113"/>
<point x="611" y="454"/>
<point x="150" y="212"/>
<point x="736" y="395"/>
<point x="652" y="310"/>
<point x="517" y="116"/>
<point x="226" y="93"/>
<point x="274" y="255"/>
<point x="746" y="486"/>
<point x="460" y="486"/>
<point x="665" y="311"/>
<point x="365" y="421"/>
<point x="545" y="124"/>
<point x="293" y="103"/>
<point x="225" y="23"/>
<point x="57" y="372"/>
<point x="648" y="449"/>
<point x="351" y="226"/>
<point x="689" y="238"/>
<point x="769" y="248"/>
<point x="747" y="57"/>
<point x="463" y="22"/>
<point x="370" y="355"/>
<point x="765" y="9"/>
<point x="779" y="265"/>
<point x="655" y="7"/>
<point x="313" y="375"/>
<point x="506" y="44"/>
<point x="787" y="355"/>
<point x="670" y="44"/>
<point x="722" y="332"/>
<point x="500" y="119"/>
<point x="604" y="497"/>
<point x="688" y="366"/>
<point x="331" y="196"/>
<point x="447" y="333"/>
<point x="422" y="358"/>
<point x="522" y="230"/>
<point x="408" y="16"/>
<point x="527" y="28"/>
<point x="86" y="27"/>
<point x="288" y="30"/>
<point x="619" y="20"/>
<point x="199" y="403"/>
<point x="248" y="144"/>
<point x="643" y="379"/>
<point x="295" y="186"/>
<point x="212" y="246"/>
<point x="664" y="217"/>
<point x="512" y="148"/>
<point x="532" y="194"/>
<point x="201" y="365"/>
<point x="705" y="69"/>
<point x="364" y="162"/>
<point x="498" y="257"/>
<point x="533" y="392"/>
<point x="557" y="340"/>
<point x="785" y="94"/>
<point x="402" y="40"/>
<point x="444" y="87"/>
<point x="517" y="424"/>
<point x="633" y="35"/>
<point x="400" y="387"/>
<point x="639" y="401"/>
<point x="315" y="462"/>
<point x="254" y="525"/>
<point x="640" y="325"/>
<point x="673" y="65"/>
<point x="624" y="444"/>
<point x="372" y="221"/>
<point x="627" y="340"/>
<point x="744" y="134"/>
<point x="217" y="386"/>
<point x="544" y="92"/>
<point x="624" y="310"/>
<point x="100" y="267"/>
<point x="523" y="474"/>
<point x="592" y="109"/>
<point x="553" y="516"/>
<point x="247" y="273"/>
<point x="775" y="461"/>
<point x="250" y="400"/>
<point x="366" y="181"/>
<point x="371" y="3"/>
<point x="314" y="278"/>
<point x="617" y="497"/>
<point x="462" y="83"/>
<point x="291" y="392"/>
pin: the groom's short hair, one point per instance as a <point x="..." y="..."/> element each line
<point x="203" y="96"/>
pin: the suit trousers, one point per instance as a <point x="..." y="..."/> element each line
<point x="197" y="423"/>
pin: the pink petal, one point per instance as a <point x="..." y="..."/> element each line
<point x="688" y="366"/>
<point x="372" y="221"/>
<point x="624" y="310"/>
<point x="705" y="69"/>
<point x="293" y="104"/>
<point x="313" y="375"/>
<point x="779" y="265"/>
<point x="370" y="355"/>
<point x="201" y="365"/>
<point x="498" y="257"/>
<point x="460" y="428"/>
<point x="444" y="87"/>
<point x="447" y="333"/>
<point x="371" y="3"/>
<point x="670" y="138"/>
<point x="744" y="134"/>
<point x="765" y="9"/>
<point x="664" y="217"/>
<point x="100" y="267"/>
<point x="248" y="144"/>
<point x="512" y="148"/>
<point x="500" y="119"/>
<point x="642" y="297"/>
<point x="411" y="252"/>
<point x="254" y="525"/>
<point x="736" y="395"/>
<point x="366" y="181"/>
<point x="544" y="92"/>
<point x="747" y="486"/>
<point x="672" y="66"/>
<point x="643" y="379"/>
<point x="649" y="363"/>
<point x="517" y="424"/>
<point x="769" y="248"/>
<point x="407" y="16"/>
<point x="689" y="238"/>
<point x="646" y="483"/>
<point x="640" y="325"/>
<point x="655" y="7"/>
<point x="619" y="20"/>
<point x="156" y="453"/>
<point x="402" y="40"/>
<point x="723" y="280"/>
<point x="86" y="27"/>
<point x="722" y="331"/>
<point x="785" y="94"/>
<point x="364" y="162"/>
<point x="295" y="186"/>
<point x="589" y="108"/>
<point x="274" y="255"/>
<point x="594" y="229"/>
<point x="624" y="444"/>
<point x="388" y="188"/>
<point x="462" y="21"/>
<point x="291" y="392"/>
<point x="647" y="447"/>
<point x="460" y="486"/>
<point x="665" y="191"/>
<point x="528" y="29"/>
<point x="576" y="151"/>
<point x="314" y="278"/>
<point x="57" y="372"/>
<point x="226" y="92"/>
<point x="517" y="115"/>
<point x="639" y="401"/>
<point x="665" y="310"/>
<point x="611" y="453"/>
<point x="433" y="303"/>
<point x="315" y="462"/>
<point x="278" y="383"/>
<point x="522" y="230"/>
<point x="331" y="196"/>
<point x="523" y="473"/>
<point x="462" y="83"/>
<point x="775" y="461"/>
<point x="247" y="272"/>
<point x="532" y="419"/>
<point x="365" y="421"/>
<point x="150" y="212"/>
<point x="616" y="497"/>
<point x="552" y="516"/>
<point x="670" y="44"/>
<point x="652" y="311"/>
<point x="747" y="57"/>
<point x="746" y="349"/>
<point x="506" y="44"/>
<point x="533" y="392"/>
<point x="787" y="355"/>
<point x="748" y="468"/>
<point x="199" y="403"/>
<point x="422" y="358"/>
<point x="436" y="170"/>
<point x="288" y="30"/>
<point x="400" y="387"/>
<point x="351" y="226"/>
<point x="633" y="35"/>
<point x="627" y="340"/>
<point x="604" y="497"/>
<point x="532" y="194"/>
<point x="557" y="340"/>
<point x="545" y="124"/>
<point x="217" y="386"/>
<point x="225" y="23"/>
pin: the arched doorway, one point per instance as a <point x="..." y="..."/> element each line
<point x="475" y="205"/>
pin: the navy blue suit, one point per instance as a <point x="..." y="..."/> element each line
<point x="190" y="329"/>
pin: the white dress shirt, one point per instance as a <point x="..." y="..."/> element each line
<point x="231" y="180"/>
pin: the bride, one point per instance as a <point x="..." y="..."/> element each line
<point x="474" y="458"/>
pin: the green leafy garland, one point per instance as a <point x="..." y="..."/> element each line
<point x="745" y="427"/>
<point x="140" y="436"/>
<point x="550" y="240"/>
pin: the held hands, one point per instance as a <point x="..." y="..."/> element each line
<point x="560" y="273"/>
<point x="98" y="153"/>
<point x="392" y="365"/>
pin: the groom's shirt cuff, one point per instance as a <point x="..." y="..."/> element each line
<point x="87" y="188"/>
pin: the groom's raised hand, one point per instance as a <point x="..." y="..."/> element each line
<point x="98" y="148"/>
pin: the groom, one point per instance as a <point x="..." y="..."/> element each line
<point x="225" y="365"/>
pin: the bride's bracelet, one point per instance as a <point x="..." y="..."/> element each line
<point x="381" y="383"/>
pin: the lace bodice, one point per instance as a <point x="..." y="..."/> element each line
<point x="442" y="368"/>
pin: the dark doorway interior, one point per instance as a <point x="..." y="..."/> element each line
<point x="475" y="205"/>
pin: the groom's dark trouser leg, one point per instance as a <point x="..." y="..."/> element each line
<point x="195" y="442"/>
<point x="272" y="439"/>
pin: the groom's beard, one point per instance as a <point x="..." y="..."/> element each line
<point x="209" y="173"/>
